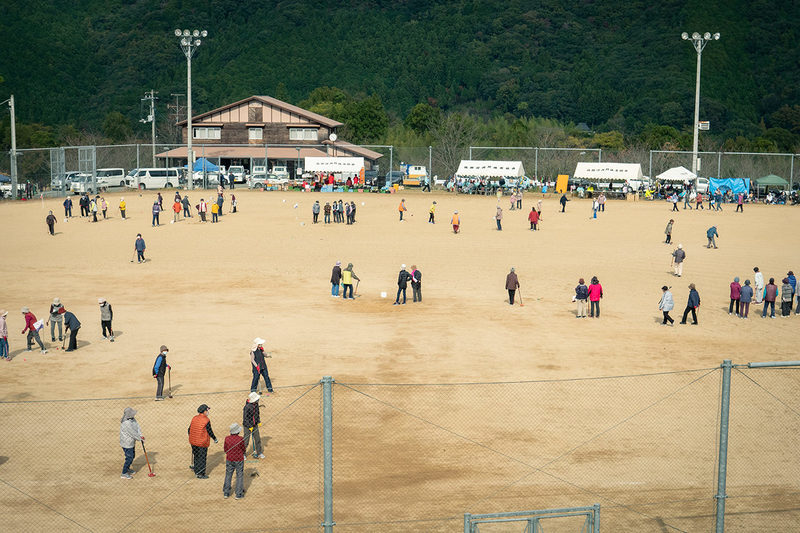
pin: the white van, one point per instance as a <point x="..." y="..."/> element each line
<point x="110" y="177"/>
<point x="701" y="185"/>
<point x="152" y="178"/>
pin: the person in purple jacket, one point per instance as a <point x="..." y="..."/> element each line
<point x="745" y="297"/>
<point x="736" y="290"/>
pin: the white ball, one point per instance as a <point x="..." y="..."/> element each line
<point x="383" y="295"/>
<point x="284" y="201"/>
<point x="295" y="206"/>
<point x="171" y="221"/>
<point x="302" y="223"/>
<point x="66" y="219"/>
<point x="362" y="203"/>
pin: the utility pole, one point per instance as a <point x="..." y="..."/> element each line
<point x="151" y="118"/>
<point x="177" y="106"/>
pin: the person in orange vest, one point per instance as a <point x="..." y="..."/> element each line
<point x="176" y="209"/>
<point x="455" y="221"/>
<point x="402" y="208"/>
<point x="200" y="435"/>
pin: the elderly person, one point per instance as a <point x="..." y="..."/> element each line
<point x="666" y="305"/>
<point x="758" y="280"/>
<point x="512" y="284"/>
<point x="129" y="433"/>
<point x="4" y="352"/>
<point x="33" y="332"/>
<point x="200" y="435"/>
<point x="736" y="290"/>
<point x="745" y="297"/>
<point x="786" y="298"/>
<point x="56" y="318"/>
<point x="691" y="305"/>
<point x="258" y="365"/>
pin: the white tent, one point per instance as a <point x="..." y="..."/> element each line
<point x="609" y="172"/>
<point x="346" y="165"/>
<point x="490" y="169"/>
<point x="676" y="175"/>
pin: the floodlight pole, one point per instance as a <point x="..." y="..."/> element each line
<point x="699" y="42"/>
<point x="189" y="41"/>
<point x="14" y="177"/>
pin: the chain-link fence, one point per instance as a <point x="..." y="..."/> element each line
<point x="417" y="457"/>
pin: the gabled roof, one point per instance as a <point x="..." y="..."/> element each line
<point x="353" y="148"/>
<point x="310" y="115"/>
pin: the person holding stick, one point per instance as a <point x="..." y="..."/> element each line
<point x="347" y="281"/>
<point x="251" y="421"/>
<point x="129" y="433"/>
<point x="258" y="365"/>
<point x="159" y="369"/>
<point x="677" y="260"/>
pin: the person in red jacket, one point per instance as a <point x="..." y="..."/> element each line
<point x="200" y="433"/>
<point x="533" y="218"/>
<point x="234" y="460"/>
<point x="33" y="333"/>
<point x="176" y="211"/>
<point x="595" y="293"/>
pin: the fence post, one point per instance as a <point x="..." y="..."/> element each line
<point x="467" y="518"/>
<point x="596" y="518"/>
<point x="430" y="164"/>
<point x="651" y="165"/>
<point x="327" y="446"/>
<point x="719" y="164"/>
<point x="723" y="444"/>
<point x="137" y="156"/>
<point x="599" y="155"/>
<point x="536" y="164"/>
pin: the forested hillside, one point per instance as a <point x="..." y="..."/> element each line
<point x="84" y="65"/>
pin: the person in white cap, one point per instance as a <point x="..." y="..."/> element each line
<point x="4" y="336"/>
<point x="258" y="365"/>
<point x="251" y="421"/>
<point x="56" y="318"/>
<point x="402" y="283"/>
<point x="32" y="326"/>
<point x="129" y="433"/>
<point x="677" y="260"/>
<point x="106" y="315"/>
<point x="234" y="447"/>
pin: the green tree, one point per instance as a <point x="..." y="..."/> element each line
<point x="422" y="117"/>
<point x="117" y="127"/>
<point x="367" y="120"/>
<point x="611" y="140"/>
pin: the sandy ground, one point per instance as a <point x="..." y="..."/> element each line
<point x="414" y="457"/>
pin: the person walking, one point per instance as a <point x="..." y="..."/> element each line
<point x="745" y="297"/>
<point x="668" y="231"/>
<point x="234" y="447"/>
<point x="327" y="213"/>
<point x="416" y="283"/>
<point x="674" y="200"/>
<point x="512" y="284"/>
<point x="54" y="319"/>
<point x="258" y="363"/>
<point x="402" y="208"/>
<point x="140" y="247"/>
<point x="83" y="203"/>
<point x="402" y="284"/>
<point x="455" y="221"/>
<point x="347" y="281"/>
<point x="106" y="315"/>
<point x="68" y="207"/>
<point x="50" y="220"/>
<point x="581" y="296"/>
<point x="786" y="298"/>
<point x="160" y="200"/>
<point x="93" y="205"/>
<point x="678" y="256"/>
<point x="71" y="324"/>
<point x="498" y="217"/>
<point x="699" y="202"/>
<point x="122" y="207"/>
<point x="691" y="305"/>
<point x="432" y="213"/>
<point x="770" y="295"/>
<point x="758" y="281"/>
<point x="200" y="436"/>
<point x="32" y="326"/>
<point x="315" y="211"/>
<point x="687" y="197"/>
<point x="427" y="185"/>
<point x="187" y="212"/>
<point x="160" y="368"/>
<point x="202" y="208"/>
<point x="156" y="211"/>
<point x="336" y="278"/>
<point x="736" y="292"/>
<point x="533" y="218"/>
<point x="129" y="433"/>
<point x="4" y="348"/>
<point x="563" y="201"/>
<point x="595" y="293"/>
<point x="711" y="233"/>
<point x="519" y="199"/>
<point x="666" y="305"/>
<point x="251" y="421"/>
<point x="103" y="207"/>
<point x="601" y="202"/>
<point x="740" y="203"/>
<point x="176" y="211"/>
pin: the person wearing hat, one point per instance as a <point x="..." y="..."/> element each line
<point x="745" y="297"/>
<point x="327" y="212"/>
<point x="68" y="207"/>
<point x="512" y="284"/>
<point x="51" y="223"/>
<point x="786" y="298"/>
<point x="140" y="247"/>
<point x="106" y="315"/>
<point x="432" y="213"/>
<point x="122" y="207"/>
<point x="677" y="260"/>
<point x="187" y="212"/>
<point x="770" y="295"/>
<point x="402" y="283"/>
<point x="691" y="305"/>
<point x="402" y="208"/>
<point x="72" y="325"/>
<point x="200" y="436"/>
<point x="668" y="231"/>
<point x="498" y="217"/>
<point x="251" y="421"/>
<point x="595" y="293"/>
<point x="33" y="332"/>
<point x="56" y="318"/>
<point x="416" y="283"/>
<point x="156" y="210"/>
<point x="758" y="281"/>
<point x="234" y="447"/>
<point x="455" y="221"/>
<point x="160" y="368"/>
<point x="736" y="291"/>
<point x="4" y="352"/>
<point x="666" y="304"/>
<point x="347" y="281"/>
<point x="258" y="365"/>
<point x="129" y="433"/>
<point x="336" y="278"/>
<point x="315" y="209"/>
<point x="711" y="233"/>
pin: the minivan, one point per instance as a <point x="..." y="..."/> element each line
<point x="152" y="178"/>
<point x="110" y="177"/>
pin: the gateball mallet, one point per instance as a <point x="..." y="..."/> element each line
<point x="151" y="474"/>
<point x="169" y="375"/>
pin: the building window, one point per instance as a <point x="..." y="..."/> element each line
<point x="255" y="134"/>
<point x="302" y="134"/>
<point x="206" y="133"/>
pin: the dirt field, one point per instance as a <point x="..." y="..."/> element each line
<point x="411" y="457"/>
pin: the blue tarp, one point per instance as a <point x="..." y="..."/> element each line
<point x="736" y="185"/>
<point x="199" y="163"/>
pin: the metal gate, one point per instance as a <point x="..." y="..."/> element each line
<point x="87" y="161"/>
<point x="57" y="170"/>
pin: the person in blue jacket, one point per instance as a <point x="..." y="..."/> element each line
<point x="140" y="247"/>
<point x="71" y="325"/>
<point x="711" y="233"/>
<point x="691" y="305"/>
<point x="160" y="368"/>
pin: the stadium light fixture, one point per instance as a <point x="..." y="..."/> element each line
<point x="699" y="42"/>
<point x="189" y="42"/>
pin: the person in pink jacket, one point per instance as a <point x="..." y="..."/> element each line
<point x="595" y="293"/>
<point x="736" y="290"/>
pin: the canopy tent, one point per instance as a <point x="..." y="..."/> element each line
<point x="735" y="185"/>
<point x="346" y="165"/>
<point x="677" y="175"/>
<point x="772" y="181"/>
<point x="609" y="172"/>
<point x="490" y="169"/>
<point x="202" y="164"/>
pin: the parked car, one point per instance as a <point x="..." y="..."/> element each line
<point x="371" y="178"/>
<point x="110" y="177"/>
<point x="394" y="176"/>
<point x="257" y="181"/>
<point x="152" y="178"/>
<point x="281" y="171"/>
<point x="701" y="185"/>
<point x="238" y="172"/>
